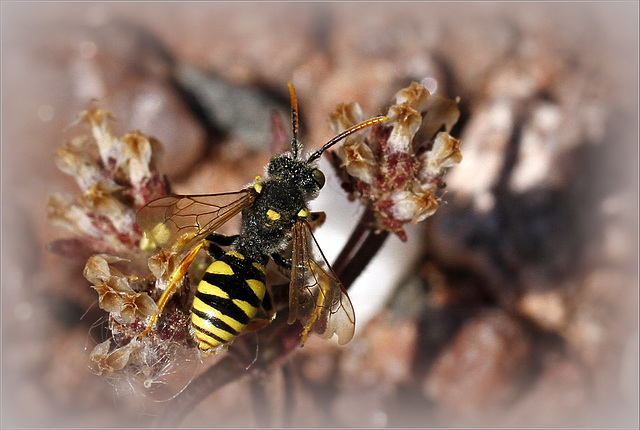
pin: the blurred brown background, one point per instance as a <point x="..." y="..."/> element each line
<point x="523" y="310"/>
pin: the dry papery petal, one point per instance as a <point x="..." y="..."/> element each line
<point x="99" y="197"/>
<point x="116" y="295"/>
<point x="441" y="113"/>
<point x="415" y="96"/>
<point x="413" y="207"/>
<point x="406" y="121"/>
<point x="128" y="310"/>
<point x="75" y="159"/>
<point x="145" y="305"/>
<point x="346" y="115"/>
<point x="98" y="268"/>
<point x="108" y="299"/>
<point x="358" y="160"/>
<point x="110" y="362"/>
<point x="163" y="264"/>
<point x="445" y="153"/>
<point x="139" y="305"/>
<point x="62" y="212"/>
<point x="136" y="156"/>
<point x="98" y="120"/>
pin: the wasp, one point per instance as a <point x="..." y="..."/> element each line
<point x="274" y="214"/>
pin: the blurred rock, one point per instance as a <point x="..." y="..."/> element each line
<point x="480" y="372"/>
<point x="372" y="369"/>
<point x="116" y="66"/>
<point x="559" y="397"/>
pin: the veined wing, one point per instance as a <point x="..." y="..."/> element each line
<point x="179" y="222"/>
<point x="316" y="296"/>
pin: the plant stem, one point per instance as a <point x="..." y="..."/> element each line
<point x="363" y="244"/>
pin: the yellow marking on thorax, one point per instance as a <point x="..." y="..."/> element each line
<point x="236" y="254"/>
<point x="220" y="268"/>
<point x="303" y="213"/>
<point x="258" y="185"/>
<point x="273" y="215"/>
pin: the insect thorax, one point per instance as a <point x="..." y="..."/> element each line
<point x="266" y="225"/>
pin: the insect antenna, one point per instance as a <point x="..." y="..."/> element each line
<point x="295" y="144"/>
<point x="347" y="132"/>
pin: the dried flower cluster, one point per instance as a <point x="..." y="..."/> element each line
<point x="116" y="177"/>
<point x="396" y="168"/>
<point x="144" y="361"/>
<point x="115" y="291"/>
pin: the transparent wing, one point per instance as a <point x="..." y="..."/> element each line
<point x="316" y="296"/>
<point x="180" y="222"/>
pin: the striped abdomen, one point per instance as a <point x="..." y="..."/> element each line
<point x="228" y="297"/>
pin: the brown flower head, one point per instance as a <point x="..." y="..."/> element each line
<point x="397" y="167"/>
<point x="116" y="176"/>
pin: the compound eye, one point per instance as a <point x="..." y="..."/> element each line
<point x="318" y="177"/>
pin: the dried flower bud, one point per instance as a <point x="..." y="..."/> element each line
<point x="110" y="362"/>
<point x="99" y="199"/>
<point x="75" y="159"/>
<point x="116" y="176"/>
<point x="445" y="153"/>
<point x="357" y="157"/>
<point x="413" y="207"/>
<point x="397" y="168"/>
<point x="61" y="211"/>
<point x="415" y="96"/>
<point x="136" y="156"/>
<point x="115" y="292"/>
<point x="345" y="116"/>
<point x="98" y="267"/>
<point x="163" y="264"/>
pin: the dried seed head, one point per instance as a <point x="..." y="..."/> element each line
<point x="396" y="168"/>
<point x="116" y="175"/>
<point x="115" y="292"/>
<point x="415" y="96"/>
<point x="110" y="362"/>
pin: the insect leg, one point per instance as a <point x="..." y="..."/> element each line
<point x="281" y="261"/>
<point x="221" y="239"/>
<point x="215" y="241"/>
<point x="317" y="311"/>
<point x="174" y="280"/>
<point x="267" y="305"/>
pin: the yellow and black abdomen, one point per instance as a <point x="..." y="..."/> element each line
<point x="228" y="297"/>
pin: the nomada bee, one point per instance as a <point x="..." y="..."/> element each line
<point x="274" y="213"/>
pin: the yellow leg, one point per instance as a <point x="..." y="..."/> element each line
<point x="174" y="280"/>
<point x="317" y="311"/>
